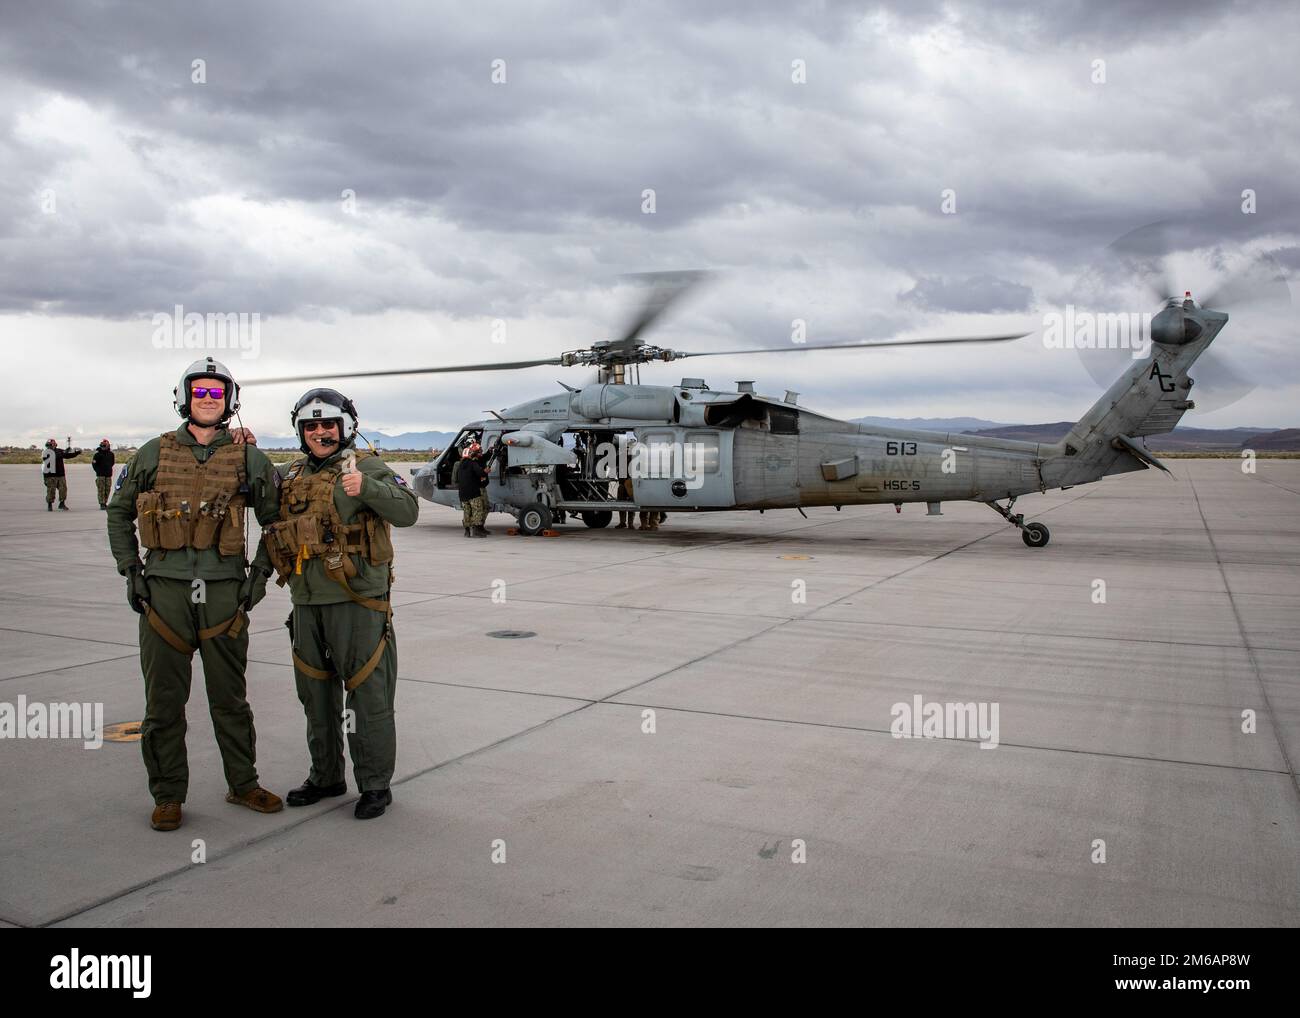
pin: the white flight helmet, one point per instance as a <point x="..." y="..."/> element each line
<point x="325" y="405"/>
<point x="206" y="368"/>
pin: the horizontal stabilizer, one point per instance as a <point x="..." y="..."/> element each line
<point x="1140" y="452"/>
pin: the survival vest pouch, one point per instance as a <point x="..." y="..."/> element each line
<point x="310" y="527"/>
<point x="193" y="504"/>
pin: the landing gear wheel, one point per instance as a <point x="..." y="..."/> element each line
<point x="597" y="519"/>
<point x="1035" y="535"/>
<point x="534" y="519"/>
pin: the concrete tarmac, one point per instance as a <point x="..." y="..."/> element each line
<point x="699" y="730"/>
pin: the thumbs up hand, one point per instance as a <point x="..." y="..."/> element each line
<point x="351" y="478"/>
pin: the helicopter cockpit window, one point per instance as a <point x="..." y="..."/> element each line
<point x="452" y="455"/>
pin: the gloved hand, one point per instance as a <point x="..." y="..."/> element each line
<point x="253" y="589"/>
<point x="137" y="589"/>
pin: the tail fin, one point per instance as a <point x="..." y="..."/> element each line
<point x="1148" y="399"/>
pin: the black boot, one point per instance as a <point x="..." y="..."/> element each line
<point x="372" y="804"/>
<point x="49" y="508"/>
<point x="482" y="531"/>
<point x="64" y="507"/>
<point x="306" y="794"/>
<point x="467" y="533"/>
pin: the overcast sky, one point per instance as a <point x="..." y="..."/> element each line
<point x="354" y="175"/>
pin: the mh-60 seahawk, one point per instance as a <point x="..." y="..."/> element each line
<point x="690" y="448"/>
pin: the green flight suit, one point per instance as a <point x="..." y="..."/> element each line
<point x="186" y="607"/>
<point x="332" y="633"/>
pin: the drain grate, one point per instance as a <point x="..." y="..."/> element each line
<point x="511" y="634"/>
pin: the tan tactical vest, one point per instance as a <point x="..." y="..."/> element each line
<point x="310" y="526"/>
<point x="193" y="504"/>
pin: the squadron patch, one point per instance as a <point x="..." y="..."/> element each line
<point x="121" y="476"/>
<point x="400" y="480"/>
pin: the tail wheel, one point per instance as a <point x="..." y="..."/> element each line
<point x="534" y="519"/>
<point x="597" y="518"/>
<point x="1035" y="535"/>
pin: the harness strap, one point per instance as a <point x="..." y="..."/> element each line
<point x="231" y="627"/>
<point x="362" y="674"/>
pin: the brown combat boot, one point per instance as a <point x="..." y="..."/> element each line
<point x="258" y="799"/>
<point x="166" y="816"/>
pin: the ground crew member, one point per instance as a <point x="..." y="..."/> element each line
<point x="52" y="471"/>
<point x="187" y="492"/>
<point x="333" y="546"/>
<point x="102" y="463"/>
<point x="471" y="480"/>
<point x="625" y="495"/>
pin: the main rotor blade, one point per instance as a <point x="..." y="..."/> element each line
<point x="861" y="346"/>
<point x="1257" y="282"/>
<point x="445" y="369"/>
<point x="666" y="289"/>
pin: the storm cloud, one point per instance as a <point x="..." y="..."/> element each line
<point x="382" y="185"/>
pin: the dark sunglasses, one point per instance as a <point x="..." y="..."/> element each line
<point x="216" y="393"/>
<point x="322" y="425"/>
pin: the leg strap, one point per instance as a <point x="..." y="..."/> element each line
<point x="362" y="674"/>
<point x="231" y="627"/>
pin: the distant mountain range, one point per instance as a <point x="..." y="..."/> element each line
<point x="1180" y="440"/>
<point x="421" y="440"/>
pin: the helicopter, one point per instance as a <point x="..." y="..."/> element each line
<point x="616" y="445"/>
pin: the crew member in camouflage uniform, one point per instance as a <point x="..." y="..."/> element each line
<point x="187" y="492"/>
<point x="471" y="484"/>
<point x="333" y="546"/>
<point x="102" y="462"/>
<point x="56" y="478"/>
